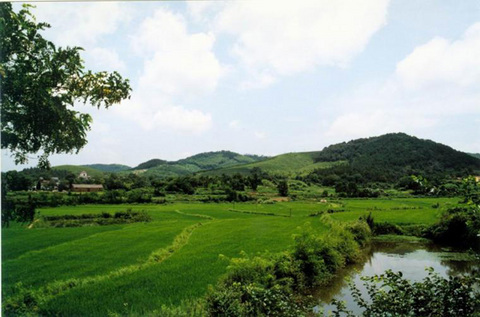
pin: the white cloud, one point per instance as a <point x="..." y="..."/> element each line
<point x="276" y="38"/>
<point x="200" y="11"/>
<point x="104" y="59"/>
<point x="178" y="63"/>
<point x="434" y="84"/>
<point x="154" y="113"/>
<point x="185" y="120"/>
<point x="441" y="61"/>
<point x="81" y="24"/>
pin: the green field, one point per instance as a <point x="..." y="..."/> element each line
<point x="113" y="267"/>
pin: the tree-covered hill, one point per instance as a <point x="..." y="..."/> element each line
<point x="109" y="168"/>
<point x="390" y="156"/>
<point x="477" y="155"/>
<point x="284" y="164"/>
<point x="196" y="163"/>
<point x="77" y="169"/>
<point x="150" y="164"/>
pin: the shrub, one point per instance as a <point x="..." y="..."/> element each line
<point x="278" y="284"/>
<point x="458" y="226"/>
<point x="392" y="295"/>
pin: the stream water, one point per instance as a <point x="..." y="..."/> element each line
<point x="408" y="257"/>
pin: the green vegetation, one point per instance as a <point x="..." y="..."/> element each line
<point x="83" y="220"/>
<point x="390" y="294"/>
<point x="109" y="168"/>
<point x="77" y="169"/>
<point x="285" y="164"/>
<point x="196" y="163"/>
<point x="94" y="263"/>
<point x="477" y="155"/>
<point x="277" y="284"/>
<point x="389" y="157"/>
<point x="40" y="82"/>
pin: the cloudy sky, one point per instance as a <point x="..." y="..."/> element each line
<point x="267" y="77"/>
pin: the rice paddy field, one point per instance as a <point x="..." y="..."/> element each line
<point x="139" y="267"/>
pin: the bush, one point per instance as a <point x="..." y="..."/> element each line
<point x="458" y="226"/>
<point x="392" y="295"/>
<point x="386" y="228"/>
<point x="101" y="219"/>
<point x="278" y="284"/>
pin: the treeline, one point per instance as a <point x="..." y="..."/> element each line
<point x="389" y="157"/>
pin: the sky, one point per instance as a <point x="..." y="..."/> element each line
<point x="271" y="77"/>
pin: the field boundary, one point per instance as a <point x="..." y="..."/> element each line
<point x="258" y="213"/>
<point x="194" y="215"/>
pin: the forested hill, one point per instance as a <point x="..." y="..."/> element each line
<point x="399" y="154"/>
<point x="150" y="164"/>
<point x="196" y="163"/>
<point x="477" y="155"/>
<point x="110" y="168"/>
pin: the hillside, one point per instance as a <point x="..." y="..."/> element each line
<point x="150" y="164"/>
<point x="477" y="155"/>
<point x="394" y="155"/>
<point x="109" y="168"/>
<point x="76" y="169"/>
<point x="290" y="163"/>
<point x="197" y="163"/>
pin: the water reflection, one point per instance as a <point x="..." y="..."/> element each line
<point x="409" y="258"/>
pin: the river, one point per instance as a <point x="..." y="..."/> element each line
<point x="411" y="258"/>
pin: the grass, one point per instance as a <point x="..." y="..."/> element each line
<point x="190" y="260"/>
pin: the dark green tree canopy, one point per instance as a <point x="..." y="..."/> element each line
<point x="40" y="84"/>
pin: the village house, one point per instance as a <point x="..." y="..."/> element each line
<point x="83" y="174"/>
<point x="86" y="188"/>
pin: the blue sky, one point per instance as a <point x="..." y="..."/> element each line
<point x="270" y="77"/>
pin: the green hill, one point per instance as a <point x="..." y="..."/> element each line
<point x="76" y="169"/>
<point x="290" y="163"/>
<point x="197" y="163"/>
<point x="109" y="168"/>
<point x="150" y="164"/>
<point x="477" y="155"/>
<point x="391" y="156"/>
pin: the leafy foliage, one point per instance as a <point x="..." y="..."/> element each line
<point x="39" y="84"/>
<point x="282" y="188"/>
<point x="390" y="294"/>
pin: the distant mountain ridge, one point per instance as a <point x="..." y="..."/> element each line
<point x="477" y="155"/>
<point x="196" y="163"/>
<point x="383" y="157"/>
<point x="109" y="168"/>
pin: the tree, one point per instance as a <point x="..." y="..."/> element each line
<point x="17" y="181"/>
<point x="255" y="178"/>
<point x="282" y="188"/>
<point x="39" y="84"/>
